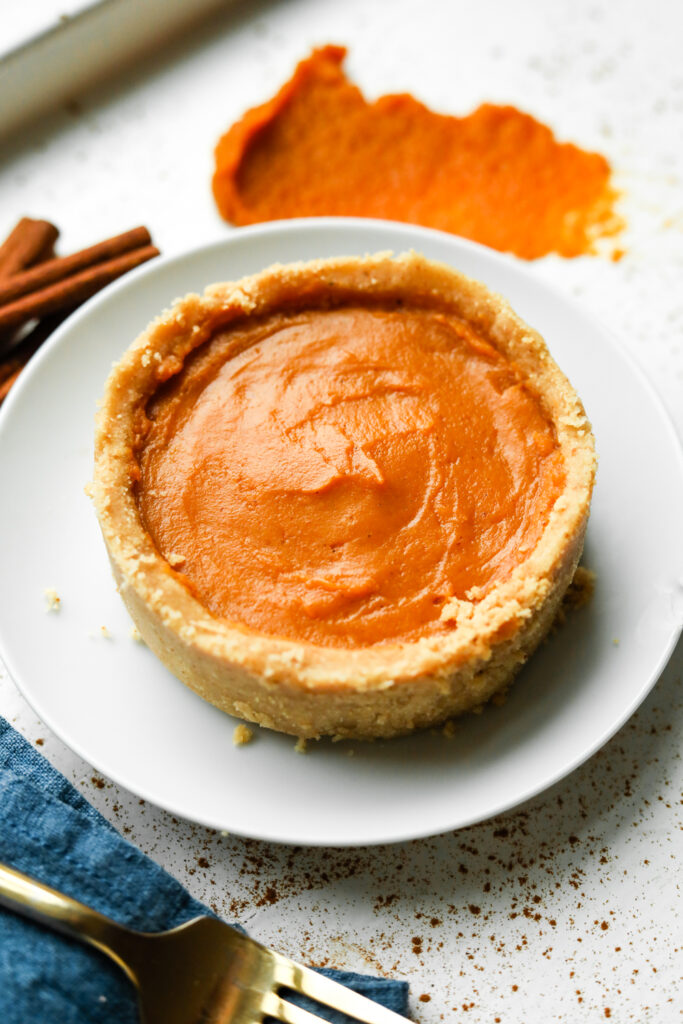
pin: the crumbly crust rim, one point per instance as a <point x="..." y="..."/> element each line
<point x="302" y="688"/>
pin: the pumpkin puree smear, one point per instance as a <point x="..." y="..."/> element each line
<point x="497" y="176"/>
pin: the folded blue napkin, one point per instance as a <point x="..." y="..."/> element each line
<point x="49" y="831"/>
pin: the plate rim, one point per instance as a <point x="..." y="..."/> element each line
<point x="348" y="226"/>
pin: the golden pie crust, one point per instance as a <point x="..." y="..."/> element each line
<point x="301" y="688"/>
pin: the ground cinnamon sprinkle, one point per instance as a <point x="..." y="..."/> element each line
<point x="497" y="176"/>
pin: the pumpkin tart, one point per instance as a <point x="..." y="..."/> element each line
<point x="343" y="497"/>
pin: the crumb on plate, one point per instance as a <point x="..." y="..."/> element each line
<point x="54" y="601"/>
<point x="579" y="593"/>
<point x="242" y="735"/>
<point x="581" y="588"/>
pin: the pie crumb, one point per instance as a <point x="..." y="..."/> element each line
<point x="54" y="601"/>
<point x="105" y="633"/>
<point x="581" y="588"/>
<point x="449" y="729"/>
<point x="242" y="735"/>
<point x="300" y="745"/>
<point x="136" y="635"/>
<point x="579" y="593"/>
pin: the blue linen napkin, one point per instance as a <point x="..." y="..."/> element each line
<point x="49" y="831"/>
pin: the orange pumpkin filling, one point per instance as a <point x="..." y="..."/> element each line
<point x="336" y="475"/>
<point x="497" y="176"/>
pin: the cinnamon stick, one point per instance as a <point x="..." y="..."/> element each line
<point x="9" y="380"/>
<point x="8" y="368"/>
<point x="74" y="290"/>
<point x="29" y="242"/>
<point x="19" y="355"/>
<point x="57" y="269"/>
<point x="29" y="343"/>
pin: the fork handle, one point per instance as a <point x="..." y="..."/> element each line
<point x="26" y="896"/>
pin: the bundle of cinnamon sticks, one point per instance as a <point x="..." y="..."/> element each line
<point x="38" y="290"/>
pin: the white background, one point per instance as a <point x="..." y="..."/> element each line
<point x="570" y="907"/>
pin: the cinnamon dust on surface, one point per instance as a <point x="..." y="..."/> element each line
<point x="497" y="176"/>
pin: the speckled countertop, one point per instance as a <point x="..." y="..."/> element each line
<point x="568" y="909"/>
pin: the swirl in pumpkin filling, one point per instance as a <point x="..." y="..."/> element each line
<point x="337" y="475"/>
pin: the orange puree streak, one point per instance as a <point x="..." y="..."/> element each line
<point x="497" y="176"/>
<point x="335" y="475"/>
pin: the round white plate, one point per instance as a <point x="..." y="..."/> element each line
<point x="113" y="703"/>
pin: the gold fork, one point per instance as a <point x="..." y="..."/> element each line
<point x="203" y="972"/>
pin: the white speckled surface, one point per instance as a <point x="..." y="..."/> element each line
<point x="570" y="908"/>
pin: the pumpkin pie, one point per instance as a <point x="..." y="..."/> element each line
<point x="343" y="497"/>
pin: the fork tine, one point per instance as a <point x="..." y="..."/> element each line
<point x="274" y="1005"/>
<point x="330" y="993"/>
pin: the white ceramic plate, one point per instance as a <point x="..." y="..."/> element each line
<point x="113" y="703"/>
